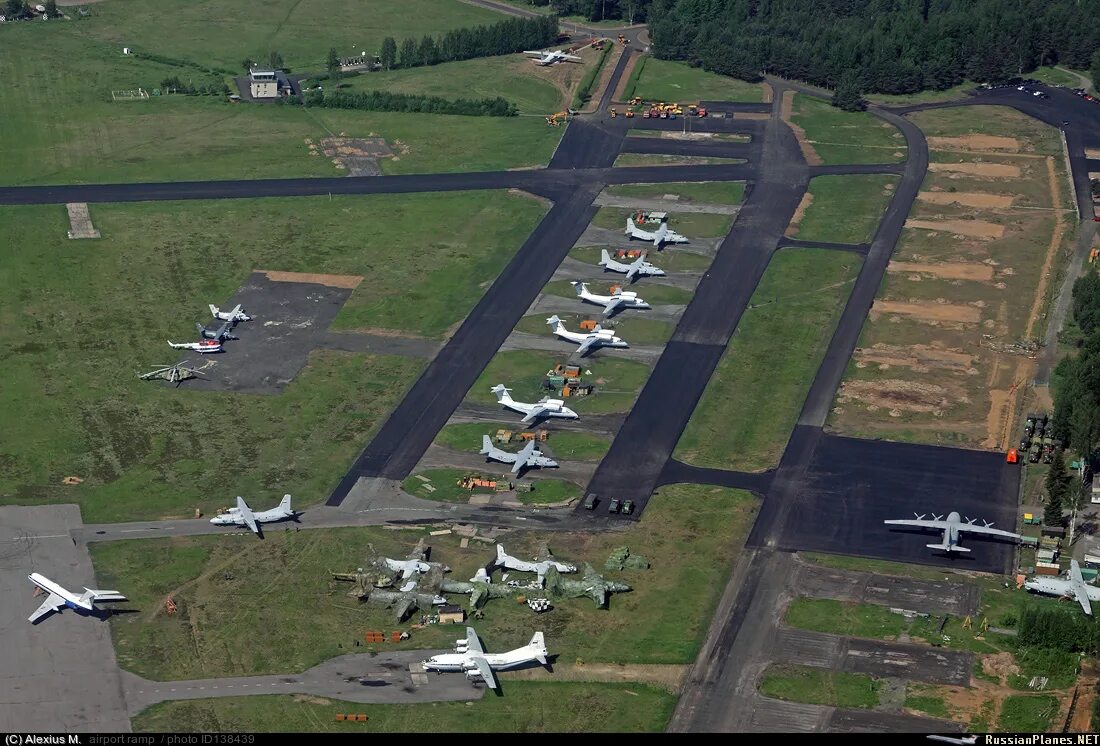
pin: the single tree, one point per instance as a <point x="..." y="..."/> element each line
<point x="276" y="60"/>
<point x="333" y="67"/>
<point x="408" y="53"/>
<point x="847" y="95"/>
<point x="388" y="53"/>
<point x="51" y="9"/>
<point x="248" y="64"/>
<point x="15" y="8"/>
<point x="428" y="52"/>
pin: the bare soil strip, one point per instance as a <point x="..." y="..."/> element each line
<point x="786" y="108"/>
<point x="967" y="199"/>
<point x="975" y="142"/>
<point x="947" y="270"/>
<point x="927" y="309"/>
<point x="1092" y="152"/>
<point x="919" y="358"/>
<point x="759" y="116"/>
<point x="796" y="220"/>
<point x="973" y="228"/>
<point x="667" y="676"/>
<point x="994" y="170"/>
<point x="333" y="281"/>
<point x="768" y="93"/>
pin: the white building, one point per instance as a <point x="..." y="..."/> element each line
<point x="263" y="83"/>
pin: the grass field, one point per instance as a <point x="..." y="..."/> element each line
<point x="617" y="380"/>
<point x="670" y="261"/>
<point x="690" y="224"/>
<point x="844" y="209"/>
<point x="929" y="704"/>
<point x="841" y="137"/>
<point x="528" y="707"/>
<point x="513" y="77"/>
<point x="819" y="686"/>
<point x="841" y="618"/>
<point x="651" y="159"/>
<point x="147" y="451"/>
<point x="632" y="326"/>
<point x="770" y="362"/>
<point x="663" y="80"/>
<point x="652" y="291"/>
<point x="466" y="436"/>
<point x="1027" y="714"/>
<point x="663" y="620"/>
<point x="712" y="192"/>
<point x="62" y="126"/>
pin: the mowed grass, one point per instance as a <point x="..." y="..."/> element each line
<point x="442" y="485"/>
<point x="842" y="618"/>
<point x="652" y="159"/>
<point x="664" y="80"/>
<point x="845" y="209"/>
<point x="147" y="451"/>
<point x="921" y="699"/>
<point x="663" y="620"/>
<point x="62" y="126"/>
<point x="710" y="192"/>
<point x="842" y="137"/>
<point x="670" y="261"/>
<point x="528" y="707"/>
<point x="562" y="444"/>
<point x="819" y="686"/>
<point x="770" y="362"/>
<point x="630" y="325"/>
<point x="617" y="380"/>
<point x="1027" y="714"/>
<point x="689" y="224"/>
<point x="513" y="77"/>
<point x="651" y="291"/>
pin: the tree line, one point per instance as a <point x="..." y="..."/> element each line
<point x="503" y="37"/>
<point x="405" y="102"/>
<point x="1077" y="379"/>
<point x="630" y="11"/>
<point x="1058" y="629"/>
<point x="877" y="46"/>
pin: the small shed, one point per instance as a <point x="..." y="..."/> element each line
<point x="451" y="614"/>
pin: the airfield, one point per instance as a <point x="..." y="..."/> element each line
<point x="826" y="492"/>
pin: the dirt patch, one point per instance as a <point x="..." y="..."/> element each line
<point x="1052" y="247"/>
<point x="333" y="281"/>
<point x="897" y="395"/>
<point x="1000" y="401"/>
<point x="935" y="310"/>
<point x="946" y="270"/>
<point x="1092" y="152"/>
<point x="920" y="358"/>
<point x="605" y="78"/>
<point x="967" y="199"/>
<point x="667" y="676"/>
<point x="1001" y="665"/>
<point x="358" y="155"/>
<point x="758" y="116"/>
<point x="768" y="94"/>
<point x="992" y="170"/>
<point x="975" y="142"/>
<point x="972" y="228"/>
<point x="807" y="200"/>
<point x="312" y="700"/>
<point x="786" y="109"/>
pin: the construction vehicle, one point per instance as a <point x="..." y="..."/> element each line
<point x="1011" y="457"/>
<point x="555" y="120"/>
<point x="636" y="101"/>
<point x="613" y="112"/>
<point x="629" y="113"/>
<point x="622" y="39"/>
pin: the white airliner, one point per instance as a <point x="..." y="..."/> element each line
<point x="529" y="455"/>
<point x="242" y="515"/>
<point x="551" y="57"/>
<point x="59" y="598"/>
<point x="235" y="314"/>
<point x="588" y="341"/>
<point x="470" y="658"/>
<point x="203" y="345"/>
<point x="632" y="269"/>
<point x="611" y="303"/>
<point x="540" y="566"/>
<point x="1073" y="586"/>
<point x="660" y="236"/>
<point x="952" y="527"/>
<point x="544" y="407"/>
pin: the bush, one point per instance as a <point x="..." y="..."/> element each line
<point x="403" y="102"/>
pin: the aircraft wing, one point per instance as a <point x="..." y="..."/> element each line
<point x="473" y="644"/>
<point x="1080" y="590"/>
<point x="247" y="515"/>
<point x="534" y="414"/>
<point x="485" y="671"/>
<point x="525" y="456"/>
<point x="920" y="523"/>
<point x="611" y="305"/>
<point x="987" y="531"/>
<point x="570" y="57"/>
<point x="498" y="455"/>
<point x="535" y="54"/>
<point x="52" y="603"/>
<point x="587" y="345"/>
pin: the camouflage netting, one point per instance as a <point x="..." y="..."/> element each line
<point x="621" y="558"/>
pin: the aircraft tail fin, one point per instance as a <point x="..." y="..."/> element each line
<point x="502" y="392"/>
<point x="579" y="288"/>
<point x="947" y="547"/>
<point x="605" y="258"/>
<point x="630" y="227"/>
<point x="538" y="642"/>
<point x="213" y="310"/>
<point x="91" y="594"/>
<point x="200" y="328"/>
<point x="486" y="444"/>
<point x="554" y="321"/>
<point x="284" y="504"/>
<point x="501" y="554"/>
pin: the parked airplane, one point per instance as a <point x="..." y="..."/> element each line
<point x="221" y="332"/>
<point x="529" y="455"/>
<point x="59" y="598"/>
<point x="611" y="303"/>
<point x="242" y="515"/>
<point x="234" y="315"/>
<point x="952" y="527"/>
<point x="414" y="564"/>
<point x="588" y="341"/>
<point x="550" y="57"/>
<point x="203" y="345"/>
<point x="1073" y="586"/>
<point x="538" y="566"/>
<point x="633" y="269"/>
<point x="544" y="407"/>
<point x="470" y="658"/>
<point x="660" y="236"/>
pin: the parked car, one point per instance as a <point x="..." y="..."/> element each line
<point x="590" y="501"/>
<point x="628" y="507"/>
<point x="613" y="507"/>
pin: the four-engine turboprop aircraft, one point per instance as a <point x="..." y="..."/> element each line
<point x="550" y="57"/>
<point x="471" y="659"/>
<point x="1073" y="586"/>
<point x="952" y="528"/>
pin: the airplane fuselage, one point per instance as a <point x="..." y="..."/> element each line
<point x="72" y="600"/>
<point x="455" y="662"/>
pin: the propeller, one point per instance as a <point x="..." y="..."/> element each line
<point x="988" y="524"/>
<point x="920" y="516"/>
<point x="969" y="520"/>
<point x="937" y="517"/>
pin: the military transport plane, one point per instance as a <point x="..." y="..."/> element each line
<point x="660" y="236"/>
<point x="544" y="407"/>
<point x="952" y="528"/>
<point x="221" y="332"/>
<point x="611" y="303"/>
<point x="633" y="269"/>
<point x="470" y="658"/>
<point x="1073" y="586"/>
<point x="235" y="314"/>
<point x="529" y="455"/>
<point x="588" y="341"/>
<point x="551" y="57"/>
<point x="60" y="598"/>
<point x="242" y="515"/>
<point x="539" y="566"/>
